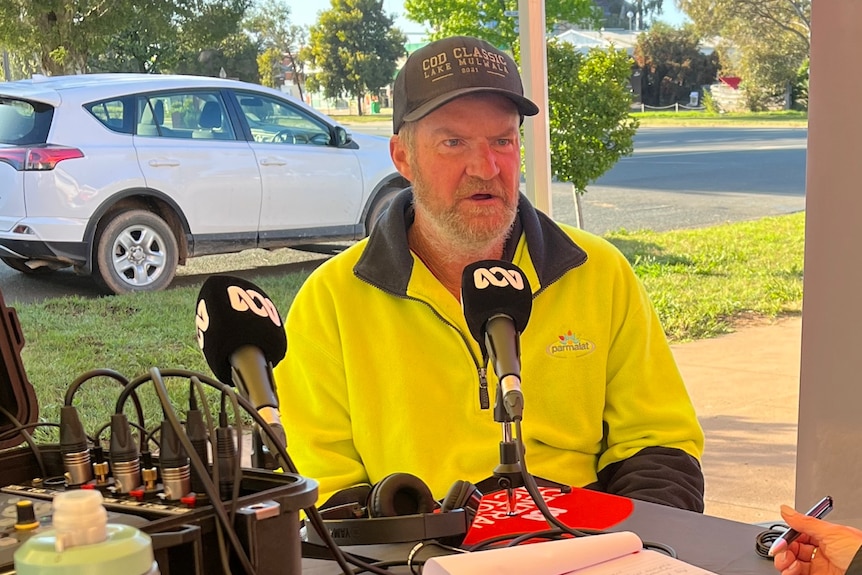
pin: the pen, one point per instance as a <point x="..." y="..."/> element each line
<point x="819" y="511"/>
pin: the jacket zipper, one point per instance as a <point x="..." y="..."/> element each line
<point x="484" y="400"/>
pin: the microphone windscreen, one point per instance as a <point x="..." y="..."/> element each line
<point x="493" y="287"/>
<point x="232" y="313"/>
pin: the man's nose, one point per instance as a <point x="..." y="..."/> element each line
<point x="483" y="162"/>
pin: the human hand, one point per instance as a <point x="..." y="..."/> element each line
<point x="822" y="548"/>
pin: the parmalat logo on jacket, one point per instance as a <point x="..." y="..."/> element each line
<point x="569" y="345"/>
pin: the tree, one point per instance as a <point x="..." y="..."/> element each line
<point x="62" y="32"/>
<point x="145" y="42"/>
<point x="17" y="65"/>
<point x="771" y="39"/>
<point x="486" y="19"/>
<point x="236" y="54"/>
<point x="769" y="72"/>
<point x="74" y="36"/>
<point x="770" y="20"/>
<point x="616" y="12"/>
<point x="207" y="27"/>
<point x="183" y="39"/>
<point x="268" y="22"/>
<point x="672" y="63"/>
<point x="269" y="67"/>
<point x="590" y="125"/>
<point x="353" y="49"/>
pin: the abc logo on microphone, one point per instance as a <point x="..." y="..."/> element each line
<point x="498" y="277"/>
<point x="233" y="313"/>
<point x="241" y="299"/>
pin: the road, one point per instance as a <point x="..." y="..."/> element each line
<point x="695" y="177"/>
<point x="676" y="178"/>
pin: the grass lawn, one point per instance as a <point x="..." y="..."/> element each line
<point x="648" y="119"/>
<point x="700" y="280"/>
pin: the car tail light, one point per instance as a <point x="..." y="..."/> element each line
<point x="39" y="158"/>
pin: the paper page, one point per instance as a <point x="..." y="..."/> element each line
<point x="546" y="558"/>
<point x="644" y="562"/>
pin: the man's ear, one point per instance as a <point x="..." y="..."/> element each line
<point x="400" y="157"/>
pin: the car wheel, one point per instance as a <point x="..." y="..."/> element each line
<point x="136" y="251"/>
<point x="381" y="202"/>
<point x="20" y="265"/>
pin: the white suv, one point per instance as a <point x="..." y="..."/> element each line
<point x="124" y="176"/>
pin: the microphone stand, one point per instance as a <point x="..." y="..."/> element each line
<point x="507" y="475"/>
<point x="261" y="456"/>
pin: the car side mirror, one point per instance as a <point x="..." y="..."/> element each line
<point x="342" y="137"/>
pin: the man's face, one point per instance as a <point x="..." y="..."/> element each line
<point x="464" y="163"/>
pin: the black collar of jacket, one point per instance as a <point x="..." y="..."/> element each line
<point x="387" y="262"/>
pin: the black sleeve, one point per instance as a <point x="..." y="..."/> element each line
<point x="855" y="567"/>
<point x="661" y="475"/>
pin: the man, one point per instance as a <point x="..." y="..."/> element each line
<point x="382" y="375"/>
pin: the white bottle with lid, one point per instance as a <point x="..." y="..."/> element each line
<point x="82" y="542"/>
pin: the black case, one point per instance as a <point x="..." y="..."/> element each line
<point x="17" y="396"/>
<point x="267" y="519"/>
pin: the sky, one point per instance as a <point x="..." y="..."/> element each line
<point x="304" y="13"/>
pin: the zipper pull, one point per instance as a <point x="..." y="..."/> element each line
<point x="484" y="401"/>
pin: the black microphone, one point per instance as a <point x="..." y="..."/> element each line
<point x="242" y="337"/>
<point x="497" y="300"/>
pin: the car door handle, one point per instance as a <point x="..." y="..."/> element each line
<point x="273" y="161"/>
<point x="162" y="162"/>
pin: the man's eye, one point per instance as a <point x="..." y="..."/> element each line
<point x="504" y="142"/>
<point x="452" y="142"/>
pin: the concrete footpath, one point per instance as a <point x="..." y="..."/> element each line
<point x="745" y="388"/>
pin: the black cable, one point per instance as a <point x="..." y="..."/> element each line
<point x="11" y="432"/>
<point x="491" y="541"/>
<point x="196" y="427"/>
<point x="386" y="565"/>
<point x="237" y="473"/>
<point x="162" y="392"/>
<point x="34" y="449"/>
<point x="97" y="440"/>
<point x="549" y="534"/>
<point x="208" y="416"/>
<point x="110" y="373"/>
<point x="411" y="557"/>
<point x="507" y="538"/>
<point x="311" y="512"/>
<point x="533" y="490"/>
<point x="764" y="540"/>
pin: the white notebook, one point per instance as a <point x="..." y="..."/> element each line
<point x="609" y="554"/>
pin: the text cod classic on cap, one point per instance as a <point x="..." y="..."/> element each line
<point x="452" y="67"/>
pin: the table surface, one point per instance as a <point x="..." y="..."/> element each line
<point x="718" y="545"/>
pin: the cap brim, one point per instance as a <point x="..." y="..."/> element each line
<point x="525" y="106"/>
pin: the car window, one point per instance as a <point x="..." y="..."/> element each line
<point x="24" y="123"/>
<point x="191" y="115"/>
<point x="113" y="114"/>
<point x="278" y="122"/>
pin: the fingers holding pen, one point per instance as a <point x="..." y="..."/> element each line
<point x="796" y="558"/>
<point x="817" y="548"/>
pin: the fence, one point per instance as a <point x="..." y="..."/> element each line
<point x="675" y="107"/>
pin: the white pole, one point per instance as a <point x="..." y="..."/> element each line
<point x="534" y="68"/>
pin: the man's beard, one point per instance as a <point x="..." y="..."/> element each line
<point x="463" y="231"/>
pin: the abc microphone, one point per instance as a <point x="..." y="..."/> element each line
<point x="242" y="337"/>
<point x="497" y="300"/>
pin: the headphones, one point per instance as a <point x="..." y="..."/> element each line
<point x="398" y="509"/>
